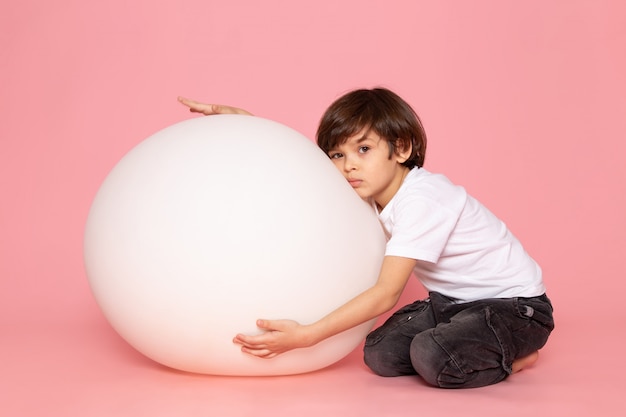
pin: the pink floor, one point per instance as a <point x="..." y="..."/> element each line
<point x="524" y="104"/>
<point x="82" y="368"/>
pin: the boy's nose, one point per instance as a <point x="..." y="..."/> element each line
<point x="349" y="164"/>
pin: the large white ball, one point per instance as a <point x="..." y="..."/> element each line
<point x="214" y="222"/>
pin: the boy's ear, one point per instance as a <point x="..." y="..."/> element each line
<point x="403" y="150"/>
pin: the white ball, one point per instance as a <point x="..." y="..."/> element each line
<point x="215" y="222"/>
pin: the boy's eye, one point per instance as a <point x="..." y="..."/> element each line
<point x="335" y="155"/>
<point x="364" y="149"/>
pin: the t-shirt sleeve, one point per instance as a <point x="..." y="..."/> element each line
<point x="422" y="227"/>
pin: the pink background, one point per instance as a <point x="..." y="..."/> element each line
<point x="524" y="104"/>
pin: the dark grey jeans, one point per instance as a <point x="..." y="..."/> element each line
<point x="464" y="345"/>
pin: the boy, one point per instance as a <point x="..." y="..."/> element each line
<point x="487" y="314"/>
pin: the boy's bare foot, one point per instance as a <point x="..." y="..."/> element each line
<point x="525" y="362"/>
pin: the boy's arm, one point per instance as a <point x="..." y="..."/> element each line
<point x="210" y="109"/>
<point x="284" y="335"/>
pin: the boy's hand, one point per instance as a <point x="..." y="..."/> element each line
<point x="210" y="109"/>
<point x="280" y="336"/>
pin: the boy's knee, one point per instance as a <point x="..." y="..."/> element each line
<point x="428" y="358"/>
<point x="384" y="362"/>
<point x="440" y="368"/>
<point x="377" y="363"/>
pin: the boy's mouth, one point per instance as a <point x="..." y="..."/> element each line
<point x="354" y="182"/>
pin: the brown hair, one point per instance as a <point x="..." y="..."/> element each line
<point x="381" y="110"/>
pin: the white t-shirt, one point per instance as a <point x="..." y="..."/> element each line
<point x="463" y="250"/>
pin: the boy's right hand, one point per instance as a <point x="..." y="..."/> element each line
<point x="210" y="109"/>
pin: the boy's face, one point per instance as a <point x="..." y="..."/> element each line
<point x="364" y="161"/>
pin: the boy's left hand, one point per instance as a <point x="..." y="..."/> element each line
<point x="211" y="109"/>
<point x="279" y="337"/>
